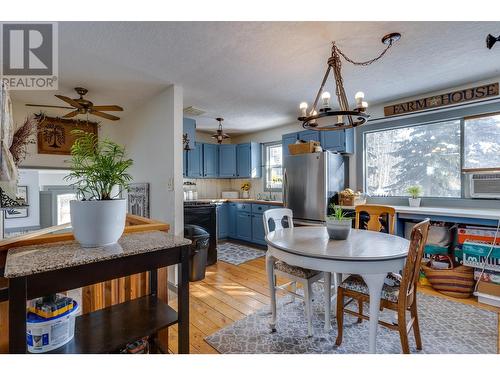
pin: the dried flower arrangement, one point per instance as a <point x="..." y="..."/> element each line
<point x="23" y="137"/>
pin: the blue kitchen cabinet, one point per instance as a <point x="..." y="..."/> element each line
<point x="222" y="221"/>
<point x="195" y="161"/>
<point x="248" y="158"/>
<point x="338" y="140"/>
<point x="189" y="128"/>
<point x="309" y="135"/>
<point x="244" y="225"/>
<point x="227" y="161"/>
<point x="210" y="160"/>
<point x="258" y="233"/>
<point x="287" y="139"/>
<point x="231" y="220"/>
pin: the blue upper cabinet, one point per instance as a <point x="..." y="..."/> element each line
<point x="195" y="161"/>
<point x="189" y="127"/>
<point x="227" y="161"/>
<point x="287" y="139"/>
<point x="338" y="140"/>
<point x="248" y="157"/>
<point x="309" y="135"/>
<point x="210" y="160"/>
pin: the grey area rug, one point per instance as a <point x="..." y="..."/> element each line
<point x="446" y="327"/>
<point x="236" y="254"/>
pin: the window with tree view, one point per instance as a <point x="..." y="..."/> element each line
<point x="425" y="155"/>
<point x="482" y="142"/>
<point x="273" y="168"/>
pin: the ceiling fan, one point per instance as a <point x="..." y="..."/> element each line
<point x="81" y="106"/>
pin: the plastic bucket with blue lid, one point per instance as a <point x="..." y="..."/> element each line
<point x="46" y="334"/>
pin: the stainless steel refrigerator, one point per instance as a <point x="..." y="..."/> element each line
<point x="311" y="182"/>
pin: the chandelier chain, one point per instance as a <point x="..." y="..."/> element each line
<point x="360" y="63"/>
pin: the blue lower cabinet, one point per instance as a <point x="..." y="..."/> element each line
<point x="244" y="226"/>
<point x="222" y="220"/>
<point x="231" y="220"/>
<point x="258" y="233"/>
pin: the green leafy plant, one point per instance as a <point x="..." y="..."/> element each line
<point x="338" y="213"/>
<point x="414" y="191"/>
<point x="97" y="167"/>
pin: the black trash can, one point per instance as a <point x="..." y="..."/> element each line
<point x="199" y="251"/>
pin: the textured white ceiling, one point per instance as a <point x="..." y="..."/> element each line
<point x="254" y="74"/>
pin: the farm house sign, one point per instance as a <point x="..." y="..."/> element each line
<point x="454" y="97"/>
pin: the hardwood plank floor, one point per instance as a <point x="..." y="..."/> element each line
<point x="229" y="293"/>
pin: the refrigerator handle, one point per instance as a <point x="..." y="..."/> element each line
<point x="285" y="187"/>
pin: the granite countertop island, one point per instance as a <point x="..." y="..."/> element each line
<point x="34" y="259"/>
<point x="237" y="200"/>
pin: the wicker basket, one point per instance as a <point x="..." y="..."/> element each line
<point x="302" y="148"/>
<point x="455" y="282"/>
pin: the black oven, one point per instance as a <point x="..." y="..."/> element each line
<point x="204" y="215"/>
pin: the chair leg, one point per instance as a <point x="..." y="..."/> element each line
<point x="360" y="310"/>
<point x="416" y="327"/>
<point x="293" y="287"/>
<point x="308" y="306"/>
<point x="340" y="316"/>
<point x="403" y="334"/>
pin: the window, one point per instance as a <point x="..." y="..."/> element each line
<point x="273" y="169"/>
<point x="425" y="155"/>
<point x="482" y="142"/>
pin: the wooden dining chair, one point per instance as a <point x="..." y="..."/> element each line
<point x="283" y="218"/>
<point x="401" y="297"/>
<point x="376" y="213"/>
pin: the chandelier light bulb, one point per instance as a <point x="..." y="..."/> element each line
<point x="325" y="97"/>
<point x="303" y="109"/>
<point x="360" y="95"/>
<point x="364" y="105"/>
<point x="314" y="113"/>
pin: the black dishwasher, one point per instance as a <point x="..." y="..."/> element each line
<point x="204" y="215"/>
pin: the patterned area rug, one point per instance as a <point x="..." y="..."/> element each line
<point x="446" y="327"/>
<point x="236" y="254"/>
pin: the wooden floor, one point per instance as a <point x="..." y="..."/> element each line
<point x="229" y="293"/>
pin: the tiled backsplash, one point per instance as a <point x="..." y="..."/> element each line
<point x="212" y="188"/>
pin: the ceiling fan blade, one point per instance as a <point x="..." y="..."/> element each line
<point x="107" y="108"/>
<point x="71" y="114"/>
<point x="104" y="115"/>
<point x="70" y="101"/>
<point x="48" y="106"/>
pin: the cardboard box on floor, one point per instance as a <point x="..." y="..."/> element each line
<point x="489" y="288"/>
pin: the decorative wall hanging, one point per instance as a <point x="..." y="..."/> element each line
<point x="138" y="199"/>
<point x="16" y="212"/>
<point x="450" y="98"/>
<point x="55" y="137"/>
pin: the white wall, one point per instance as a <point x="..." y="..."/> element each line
<point x="152" y="136"/>
<point x="30" y="179"/>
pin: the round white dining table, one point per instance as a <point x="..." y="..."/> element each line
<point x="366" y="253"/>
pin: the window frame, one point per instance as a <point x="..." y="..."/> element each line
<point x="265" y="166"/>
<point x="462" y="112"/>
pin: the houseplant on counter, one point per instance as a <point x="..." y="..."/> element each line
<point x="415" y="192"/>
<point x="338" y="224"/>
<point x="99" y="173"/>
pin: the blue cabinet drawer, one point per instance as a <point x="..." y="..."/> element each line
<point x="244" y="207"/>
<point x="259" y="208"/>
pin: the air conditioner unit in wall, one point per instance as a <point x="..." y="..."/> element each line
<point x="485" y="185"/>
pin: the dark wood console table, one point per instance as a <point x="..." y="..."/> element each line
<point x="39" y="270"/>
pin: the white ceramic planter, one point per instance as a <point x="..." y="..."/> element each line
<point x="245" y="194"/>
<point x="339" y="229"/>
<point x="414" y="202"/>
<point x="98" y="223"/>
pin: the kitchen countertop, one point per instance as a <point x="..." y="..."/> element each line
<point x="237" y="200"/>
<point x="476" y="213"/>
<point x="33" y="259"/>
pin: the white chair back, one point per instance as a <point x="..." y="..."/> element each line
<point x="277" y="215"/>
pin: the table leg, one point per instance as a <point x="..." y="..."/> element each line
<point x="375" y="282"/>
<point x="17" y="315"/>
<point x="328" y="300"/>
<point x="337" y="279"/>
<point x="183" y="303"/>
<point x="272" y="290"/>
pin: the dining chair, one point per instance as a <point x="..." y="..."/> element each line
<point x="283" y="218"/>
<point x="376" y="213"/>
<point x="400" y="297"/>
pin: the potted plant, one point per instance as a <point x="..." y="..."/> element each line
<point x="245" y="188"/>
<point x="338" y="224"/>
<point x="99" y="171"/>
<point x="414" y="191"/>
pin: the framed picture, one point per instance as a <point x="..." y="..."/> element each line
<point x="55" y="137"/>
<point x="138" y="199"/>
<point x="17" y="213"/>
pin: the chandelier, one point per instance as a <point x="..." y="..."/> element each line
<point x="344" y="117"/>
<point x="220" y="135"/>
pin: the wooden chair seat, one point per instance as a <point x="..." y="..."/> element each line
<point x="303" y="273"/>
<point x="356" y="284"/>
